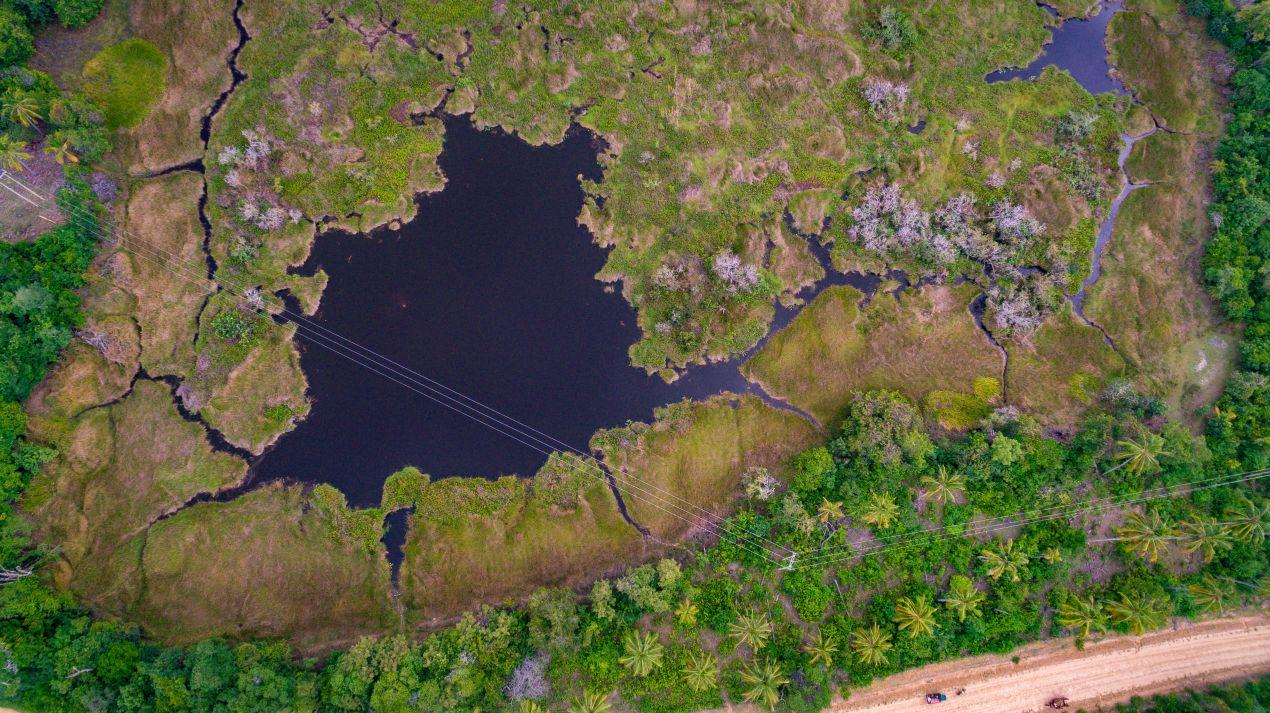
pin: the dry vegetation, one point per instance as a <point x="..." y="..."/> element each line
<point x="474" y="541"/>
<point x="915" y="342"/>
<point x="693" y="456"/>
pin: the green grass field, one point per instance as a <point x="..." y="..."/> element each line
<point x="126" y="80"/>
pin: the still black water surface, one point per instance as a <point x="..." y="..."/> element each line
<point x="1078" y="46"/>
<point x="491" y="291"/>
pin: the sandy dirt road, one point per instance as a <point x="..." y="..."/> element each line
<point x="1105" y="673"/>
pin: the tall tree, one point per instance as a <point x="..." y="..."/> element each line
<point x="963" y="598"/>
<point x="943" y="487"/>
<point x="1139" y="612"/>
<point x="871" y="645"/>
<point x="1146" y="535"/>
<point x="1248" y="519"/>
<point x="1141" y="455"/>
<point x="1206" y="537"/>
<point x="1210" y="595"/>
<point x="829" y="511"/>
<point x="880" y="511"/>
<point x="1004" y="561"/>
<point x="916" y="615"/>
<point x="20" y="107"/>
<point x="643" y="653"/>
<point x="13" y="153"/>
<point x="822" y="648"/>
<point x="752" y="629"/>
<point x="591" y="703"/>
<point x="763" y="681"/>
<point x="1082" y="614"/>
<point x="701" y="673"/>
<point x="61" y="152"/>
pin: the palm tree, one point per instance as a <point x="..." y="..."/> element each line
<point x="1248" y="520"/>
<point x="1003" y="561"/>
<point x="701" y="672"/>
<point x="686" y="614"/>
<point x="1204" y="536"/>
<point x="1146" y="536"/>
<point x="591" y="703"/>
<point x="829" y="512"/>
<point x="880" y="511"/>
<point x="963" y="598"/>
<point x="1210" y="595"/>
<point x="1138" y="611"/>
<point x="1142" y="456"/>
<point x="870" y="645"/>
<point x="752" y="629"/>
<point x="528" y="706"/>
<point x="943" y="487"/>
<point x="61" y="152"/>
<point x="764" y="681"/>
<point x="12" y="153"/>
<point x="915" y="615"/>
<point x="21" y="108"/>
<point x="1082" y="614"/>
<point x="1053" y="555"/>
<point x="643" y="653"/>
<point x="822" y="648"/>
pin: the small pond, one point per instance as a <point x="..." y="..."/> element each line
<point x="1078" y="46"/>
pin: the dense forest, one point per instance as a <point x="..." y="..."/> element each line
<point x="921" y="573"/>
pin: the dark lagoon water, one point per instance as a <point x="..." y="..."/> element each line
<point x="1077" y="46"/>
<point x="491" y="291"/>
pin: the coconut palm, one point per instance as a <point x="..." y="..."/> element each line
<point x="1147" y="536"/>
<point x="1003" y="561"/>
<point x="12" y="153"/>
<point x="701" y="673"/>
<point x="870" y="645"/>
<point x="528" y="706"/>
<point x="943" y="487"/>
<point x="1138" y="611"/>
<point x="686" y="614"/>
<point x="1205" y="537"/>
<point x="61" y="152"/>
<point x="880" y="511"/>
<point x="1248" y="520"/>
<point x="20" y="107"/>
<point x="821" y="648"/>
<point x="1142" y="455"/>
<point x="591" y="703"/>
<point x="752" y="629"/>
<point x="1082" y="614"/>
<point x="963" y="598"/>
<point x="764" y="681"/>
<point x="1053" y="555"/>
<point x="1210" y="595"/>
<point x="643" y="653"/>
<point x="916" y="615"/>
<point x="829" y="511"/>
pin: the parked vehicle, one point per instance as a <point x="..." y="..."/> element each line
<point x="1057" y="703"/>
<point x="933" y="698"/>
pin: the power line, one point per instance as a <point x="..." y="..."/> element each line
<point x="350" y="350"/>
